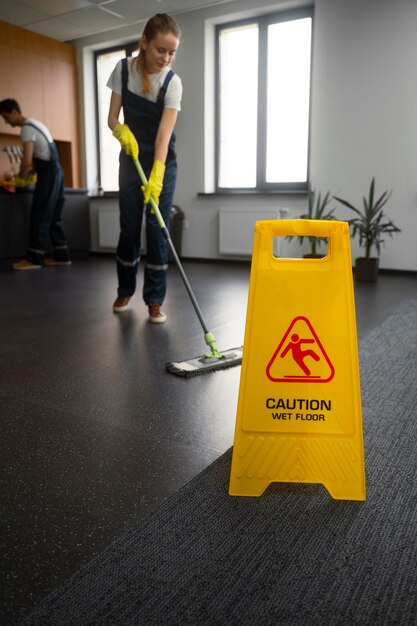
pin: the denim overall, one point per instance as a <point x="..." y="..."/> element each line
<point x="46" y="211"/>
<point x="143" y="118"/>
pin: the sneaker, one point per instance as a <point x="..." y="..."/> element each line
<point x="25" y="265"/>
<point x="53" y="262"/>
<point x="121" y="304"/>
<point x="156" y="316"/>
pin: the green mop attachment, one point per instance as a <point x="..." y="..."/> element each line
<point x="207" y="363"/>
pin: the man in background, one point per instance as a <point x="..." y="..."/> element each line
<point x="40" y="157"/>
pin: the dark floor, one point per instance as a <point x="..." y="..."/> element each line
<point x="95" y="434"/>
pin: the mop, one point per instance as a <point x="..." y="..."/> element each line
<point x="215" y="360"/>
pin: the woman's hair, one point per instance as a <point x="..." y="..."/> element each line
<point x="159" y="23"/>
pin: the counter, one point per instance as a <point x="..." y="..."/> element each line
<point x="14" y="221"/>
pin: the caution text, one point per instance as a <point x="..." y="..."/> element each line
<point x="292" y="404"/>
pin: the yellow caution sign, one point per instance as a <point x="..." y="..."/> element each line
<point x="299" y="415"/>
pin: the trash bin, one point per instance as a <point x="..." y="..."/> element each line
<point x="176" y="225"/>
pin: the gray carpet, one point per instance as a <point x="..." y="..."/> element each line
<point x="293" y="556"/>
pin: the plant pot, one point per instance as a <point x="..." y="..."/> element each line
<point x="366" y="270"/>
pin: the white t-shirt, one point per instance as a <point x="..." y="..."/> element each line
<point x="41" y="149"/>
<point x="134" y="84"/>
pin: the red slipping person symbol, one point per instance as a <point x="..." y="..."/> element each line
<point x="290" y="357"/>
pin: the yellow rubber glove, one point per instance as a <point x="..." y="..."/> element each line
<point x="127" y="140"/>
<point x="155" y="182"/>
<point x="22" y="182"/>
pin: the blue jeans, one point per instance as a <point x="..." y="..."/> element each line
<point x="46" y="214"/>
<point x="128" y="249"/>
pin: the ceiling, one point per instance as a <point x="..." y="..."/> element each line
<point x="65" y="20"/>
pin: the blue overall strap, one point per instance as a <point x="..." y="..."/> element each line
<point x="125" y="78"/>
<point x="143" y="116"/>
<point x="163" y="90"/>
<point x="51" y="144"/>
<point x="39" y="130"/>
<point x="125" y="74"/>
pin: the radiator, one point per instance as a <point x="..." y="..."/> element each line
<point x="108" y="228"/>
<point x="236" y="229"/>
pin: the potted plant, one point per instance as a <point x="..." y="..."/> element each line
<point x="370" y="225"/>
<point x="316" y="210"/>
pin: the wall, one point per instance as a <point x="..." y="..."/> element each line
<point x="364" y="111"/>
<point x="41" y="74"/>
<point x="363" y="115"/>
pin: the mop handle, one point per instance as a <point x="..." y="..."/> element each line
<point x="165" y="233"/>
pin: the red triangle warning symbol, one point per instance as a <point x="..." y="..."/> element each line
<point x="300" y="356"/>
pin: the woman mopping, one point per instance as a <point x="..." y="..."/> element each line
<point x="149" y="93"/>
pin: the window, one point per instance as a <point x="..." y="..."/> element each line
<point x="108" y="147"/>
<point x="264" y="102"/>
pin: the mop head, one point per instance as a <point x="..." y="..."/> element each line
<point x="205" y="364"/>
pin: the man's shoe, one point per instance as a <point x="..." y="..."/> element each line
<point x="26" y="265"/>
<point x="156" y="316"/>
<point x="53" y="262"/>
<point x="121" y="304"/>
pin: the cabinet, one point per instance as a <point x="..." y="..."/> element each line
<point x="14" y="221"/>
<point x="41" y="74"/>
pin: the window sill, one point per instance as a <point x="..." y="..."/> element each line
<point x="254" y="192"/>
<point x="104" y="194"/>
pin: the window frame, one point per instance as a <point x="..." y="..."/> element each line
<point x="263" y="21"/>
<point x="129" y="48"/>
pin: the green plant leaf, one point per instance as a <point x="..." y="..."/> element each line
<point x="316" y="210"/>
<point x="370" y="224"/>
